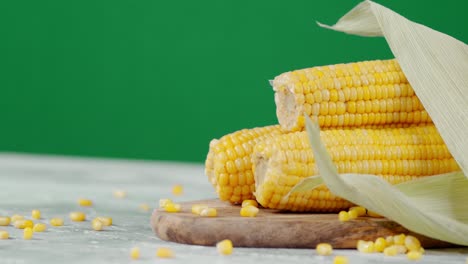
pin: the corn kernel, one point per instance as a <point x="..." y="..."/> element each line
<point x="224" y="247"/>
<point x="172" y="207"/>
<point x="412" y="243"/>
<point x="56" y="221"/>
<point x="389" y="240"/>
<point x="39" y="227"/>
<point x="197" y="208"/>
<point x="324" y="249"/>
<point x="135" y="253"/>
<point x="380" y="244"/>
<point x="16" y="217"/>
<point x="177" y="189"/>
<point x="210" y="212"/>
<point x="77" y="216"/>
<point x="353" y="214"/>
<point x="36" y="214"/>
<point x="164" y="202"/>
<point x="414" y="255"/>
<point x="85" y="202"/>
<point x="144" y="207"/>
<point x="390" y="251"/>
<point x="340" y="260"/>
<point x="401" y="249"/>
<point x="23" y="223"/>
<point x="106" y="221"/>
<point x="373" y="214"/>
<point x="96" y="224"/>
<point x="4" y="220"/>
<point x="365" y="246"/>
<point x="4" y="234"/>
<point x="399" y="239"/>
<point x="421" y="249"/>
<point x="120" y="194"/>
<point x="249" y="202"/>
<point x="164" y="253"/>
<point x="343" y="216"/>
<point x="249" y="211"/>
<point x="27" y="233"/>
<point x="360" y="210"/>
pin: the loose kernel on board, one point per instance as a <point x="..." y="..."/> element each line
<point x="324" y="249"/>
<point x="172" y="207"/>
<point x="197" y="208"/>
<point x="23" y="223"/>
<point x="4" y="234"/>
<point x="177" y="189"/>
<point x="249" y="202"/>
<point x="353" y="214"/>
<point x="224" y="247"/>
<point x="4" y="220"/>
<point x="77" y="216"/>
<point x="164" y="253"/>
<point x="380" y="244"/>
<point x="106" y="221"/>
<point x="16" y="217"/>
<point x="210" y="212"/>
<point x="36" y="214"/>
<point x="97" y="225"/>
<point x="361" y="211"/>
<point x="27" y="233"/>
<point x="135" y="253"/>
<point x="144" y="207"/>
<point x="85" y="202"/>
<point x="163" y="202"/>
<point x="39" y="227"/>
<point x="412" y="243"/>
<point x="340" y="260"/>
<point x="56" y="221"/>
<point x="120" y="194"/>
<point x="343" y="216"/>
<point x="414" y="255"/>
<point x="249" y="211"/>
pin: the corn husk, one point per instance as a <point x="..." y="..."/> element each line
<point x="436" y="66"/>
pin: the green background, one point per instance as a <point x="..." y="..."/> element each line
<point x="151" y="79"/>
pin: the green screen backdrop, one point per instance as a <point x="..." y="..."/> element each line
<point x="157" y="80"/>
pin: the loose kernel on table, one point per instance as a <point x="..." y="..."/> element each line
<point x="23" y="223"/>
<point x="389" y="240"/>
<point x="16" y="217"/>
<point x="4" y="234"/>
<point x="172" y="207"/>
<point x="340" y="260"/>
<point x="85" y="202"/>
<point x="4" y="220"/>
<point x="106" y="221"/>
<point x="56" y="221"/>
<point x="164" y="253"/>
<point x="36" y="214"/>
<point x="249" y="211"/>
<point x="361" y="211"/>
<point x="414" y="255"/>
<point x="177" y="189"/>
<point x="163" y="202"/>
<point x="120" y="194"/>
<point x="412" y="243"/>
<point x="343" y="216"/>
<point x="77" y="216"/>
<point x="197" y="208"/>
<point x="135" y="253"/>
<point x="365" y="246"/>
<point x="39" y="227"/>
<point x="224" y="247"/>
<point x="210" y="212"/>
<point x="27" y="233"/>
<point x="249" y="202"/>
<point x="324" y="249"/>
<point x="96" y="224"/>
<point x="390" y="251"/>
<point x="380" y="244"/>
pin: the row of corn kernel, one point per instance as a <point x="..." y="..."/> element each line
<point x="393" y="245"/>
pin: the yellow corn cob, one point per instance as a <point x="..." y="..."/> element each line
<point x="228" y="163"/>
<point x="354" y="94"/>
<point x="396" y="154"/>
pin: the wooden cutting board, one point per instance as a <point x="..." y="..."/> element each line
<point x="272" y="228"/>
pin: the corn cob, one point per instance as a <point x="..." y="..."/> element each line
<point x="395" y="154"/>
<point x="354" y="94"/>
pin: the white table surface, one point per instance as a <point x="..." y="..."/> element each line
<point x="53" y="185"/>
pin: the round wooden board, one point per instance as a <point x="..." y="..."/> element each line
<point x="272" y="228"/>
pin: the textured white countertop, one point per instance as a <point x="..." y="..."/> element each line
<point x="53" y="185"/>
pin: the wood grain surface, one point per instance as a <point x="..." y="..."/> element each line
<point x="272" y="228"/>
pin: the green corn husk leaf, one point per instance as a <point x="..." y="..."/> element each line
<point x="433" y="206"/>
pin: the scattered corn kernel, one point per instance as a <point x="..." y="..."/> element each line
<point x="380" y="244"/>
<point x="211" y="212"/>
<point x="144" y="207"/>
<point x="399" y="239"/>
<point x="412" y="243"/>
<point x="365" y="246"/>
<point x="340" y="260"/>
<point x="120" y="194"/>
<point x="4" y="220"/>
<point x="27" y="233"/>
<point x="197" y="208"/>
<point x="389" y="240"/>
<point x="324" y="249"/>
<point x="77" y="216"/>
<point x="353" y="214"/>
<point x="177" y="189"/>
<point x="36" y="214"/>
<point x="224" y="247"/>
<point x="343" y="216"/>
<point x="164" y="202"/>
<point x="172" y="207"/>
<point x="390" y="251"/>
<point x="249" y="202"/>
<point x="421" y="249"/>
<point x="23" y="223"/>
<point x="4" y="234"/>
<point x="135" y="253"/>
<point x="56" y="221"/>
<point x="96" y="224"/>
<point x="401" y="249"/>
<point x="360" y="210"/>
<point x="39" y="227"/>
<point x="249" y="211"/>
<point x="413" y="255"/>
<point x="85" y="202"/>
<point x="106" y="221"/>
<point x="16" y="217"/>
<point x="373" y="214"/>
<point x="164" y="253"/>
